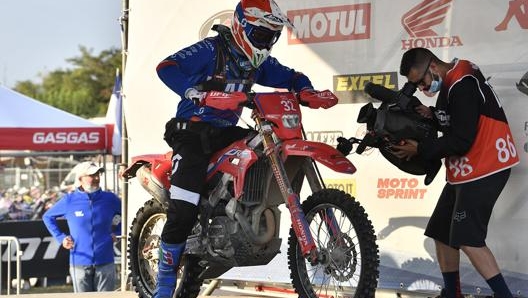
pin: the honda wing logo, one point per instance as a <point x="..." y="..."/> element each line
<point x="222" y="18"/>
<point x="420" y="23"/>
<point x="419" y="20"/>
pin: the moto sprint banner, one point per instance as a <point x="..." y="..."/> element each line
<point x="341" y="45"/>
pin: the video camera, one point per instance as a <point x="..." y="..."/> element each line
<point x="395" y="120"/>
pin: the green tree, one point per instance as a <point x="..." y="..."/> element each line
<point x="84" y="89"/>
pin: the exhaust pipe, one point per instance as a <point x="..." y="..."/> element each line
<point x="151" y="184"/>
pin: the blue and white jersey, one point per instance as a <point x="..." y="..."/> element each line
<point x="196" y="65"/>
<point x="90" y="218"/>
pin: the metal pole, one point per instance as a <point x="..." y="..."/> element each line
<point x="9" y="269"/>
<point x="10" y="239"/>
<point x="19" y="265"/>
<point x="124" y="146"/>
<point x="211" y="287"/>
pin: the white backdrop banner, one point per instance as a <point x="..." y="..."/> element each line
<point x="341" y="45"/>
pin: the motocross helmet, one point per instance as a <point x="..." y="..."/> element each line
<point x="256" y="27"/>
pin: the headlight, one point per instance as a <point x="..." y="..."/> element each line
<point x="291" y="121"/>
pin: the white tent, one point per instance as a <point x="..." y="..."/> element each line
<point x="27" y="124"/>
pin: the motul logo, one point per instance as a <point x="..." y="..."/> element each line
<point x="66" y="138"/>
<point x="420" y="21"/>
<point x="327" y="24"/>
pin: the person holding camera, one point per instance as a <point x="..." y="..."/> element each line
<point x="478" y="151"/>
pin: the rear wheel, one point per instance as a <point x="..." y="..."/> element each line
<point x="143" y="253"/>
<point x="350" y="254"/>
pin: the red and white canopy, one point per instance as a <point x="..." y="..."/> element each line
<point x="27" y="124"/>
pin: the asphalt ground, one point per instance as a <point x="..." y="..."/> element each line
<point x="223" y="288"/>
<point x="222" y="292"/>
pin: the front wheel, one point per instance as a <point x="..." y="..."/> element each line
<point x="345" y="238"/>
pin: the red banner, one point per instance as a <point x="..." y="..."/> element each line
<point x="51" y="139"/>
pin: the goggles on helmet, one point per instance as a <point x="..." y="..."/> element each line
<point x="262" y="38"/>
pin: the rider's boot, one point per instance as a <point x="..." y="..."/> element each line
<point x="168" y="263"/>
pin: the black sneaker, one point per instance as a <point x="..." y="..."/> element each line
<point x="442" y="294"/>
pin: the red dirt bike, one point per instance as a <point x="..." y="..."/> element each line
<point x="332" y="250"/>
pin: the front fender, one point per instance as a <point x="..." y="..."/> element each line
<point x="321" y="152"/>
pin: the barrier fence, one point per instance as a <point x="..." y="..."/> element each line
<point x="41" y="255"/>
<point x="9" y="254"/>
<point x="38" y="253"/>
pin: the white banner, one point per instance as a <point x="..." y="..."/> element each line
<point x="341" y="45"/>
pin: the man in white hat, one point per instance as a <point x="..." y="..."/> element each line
<point x="88" y="176"/>
<point x="90" y="214"/>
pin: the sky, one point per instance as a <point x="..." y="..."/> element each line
<point x="37" y="36"/>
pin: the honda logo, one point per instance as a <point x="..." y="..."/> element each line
<point x="420" y="23"/>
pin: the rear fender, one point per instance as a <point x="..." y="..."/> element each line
<point x="320" y="152"/>
<point x="160" y="168"/>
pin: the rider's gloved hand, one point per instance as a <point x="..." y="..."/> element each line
<point x="195" y="95"/>
<point x="317" y="99"/>
<point x="224" y="101"/>
<point x="344" y="146"/>
<point x="216" y="99"/>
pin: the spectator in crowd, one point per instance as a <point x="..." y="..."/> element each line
<point x="5" y="205"/>
<point x="21" y="207"/>
<point x="90" y="214"/>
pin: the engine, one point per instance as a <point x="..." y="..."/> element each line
<point x="240" y="232"/>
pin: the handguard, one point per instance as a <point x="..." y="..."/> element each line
<point x="224" y="101"/>
<point x="317" y="99"/>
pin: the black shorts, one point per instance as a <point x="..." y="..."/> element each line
<point x="463" y="211"/>
<point x="190" y="162"/>
<point x="190" y="166"/>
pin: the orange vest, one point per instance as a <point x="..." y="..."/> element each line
<point x="493" y="149"/>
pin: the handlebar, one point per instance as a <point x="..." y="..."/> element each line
<point x="309" y="98"/>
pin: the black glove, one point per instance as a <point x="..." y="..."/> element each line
<point x="344" y="146"/>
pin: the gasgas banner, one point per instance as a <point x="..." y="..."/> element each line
<point x="342" y="45"/>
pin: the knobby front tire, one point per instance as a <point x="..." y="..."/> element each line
<point x="350" y="254"/>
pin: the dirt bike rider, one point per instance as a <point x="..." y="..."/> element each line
<point x="232" y="61"/>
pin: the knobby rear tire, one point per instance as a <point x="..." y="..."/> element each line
<point x="143" y="254"/>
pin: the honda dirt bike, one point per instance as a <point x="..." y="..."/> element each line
<point x="332" y="250"/>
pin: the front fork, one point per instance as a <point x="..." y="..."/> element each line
<point x="292" y="200"/>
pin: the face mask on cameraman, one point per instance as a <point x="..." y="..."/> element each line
<point x="436" y="83"/>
